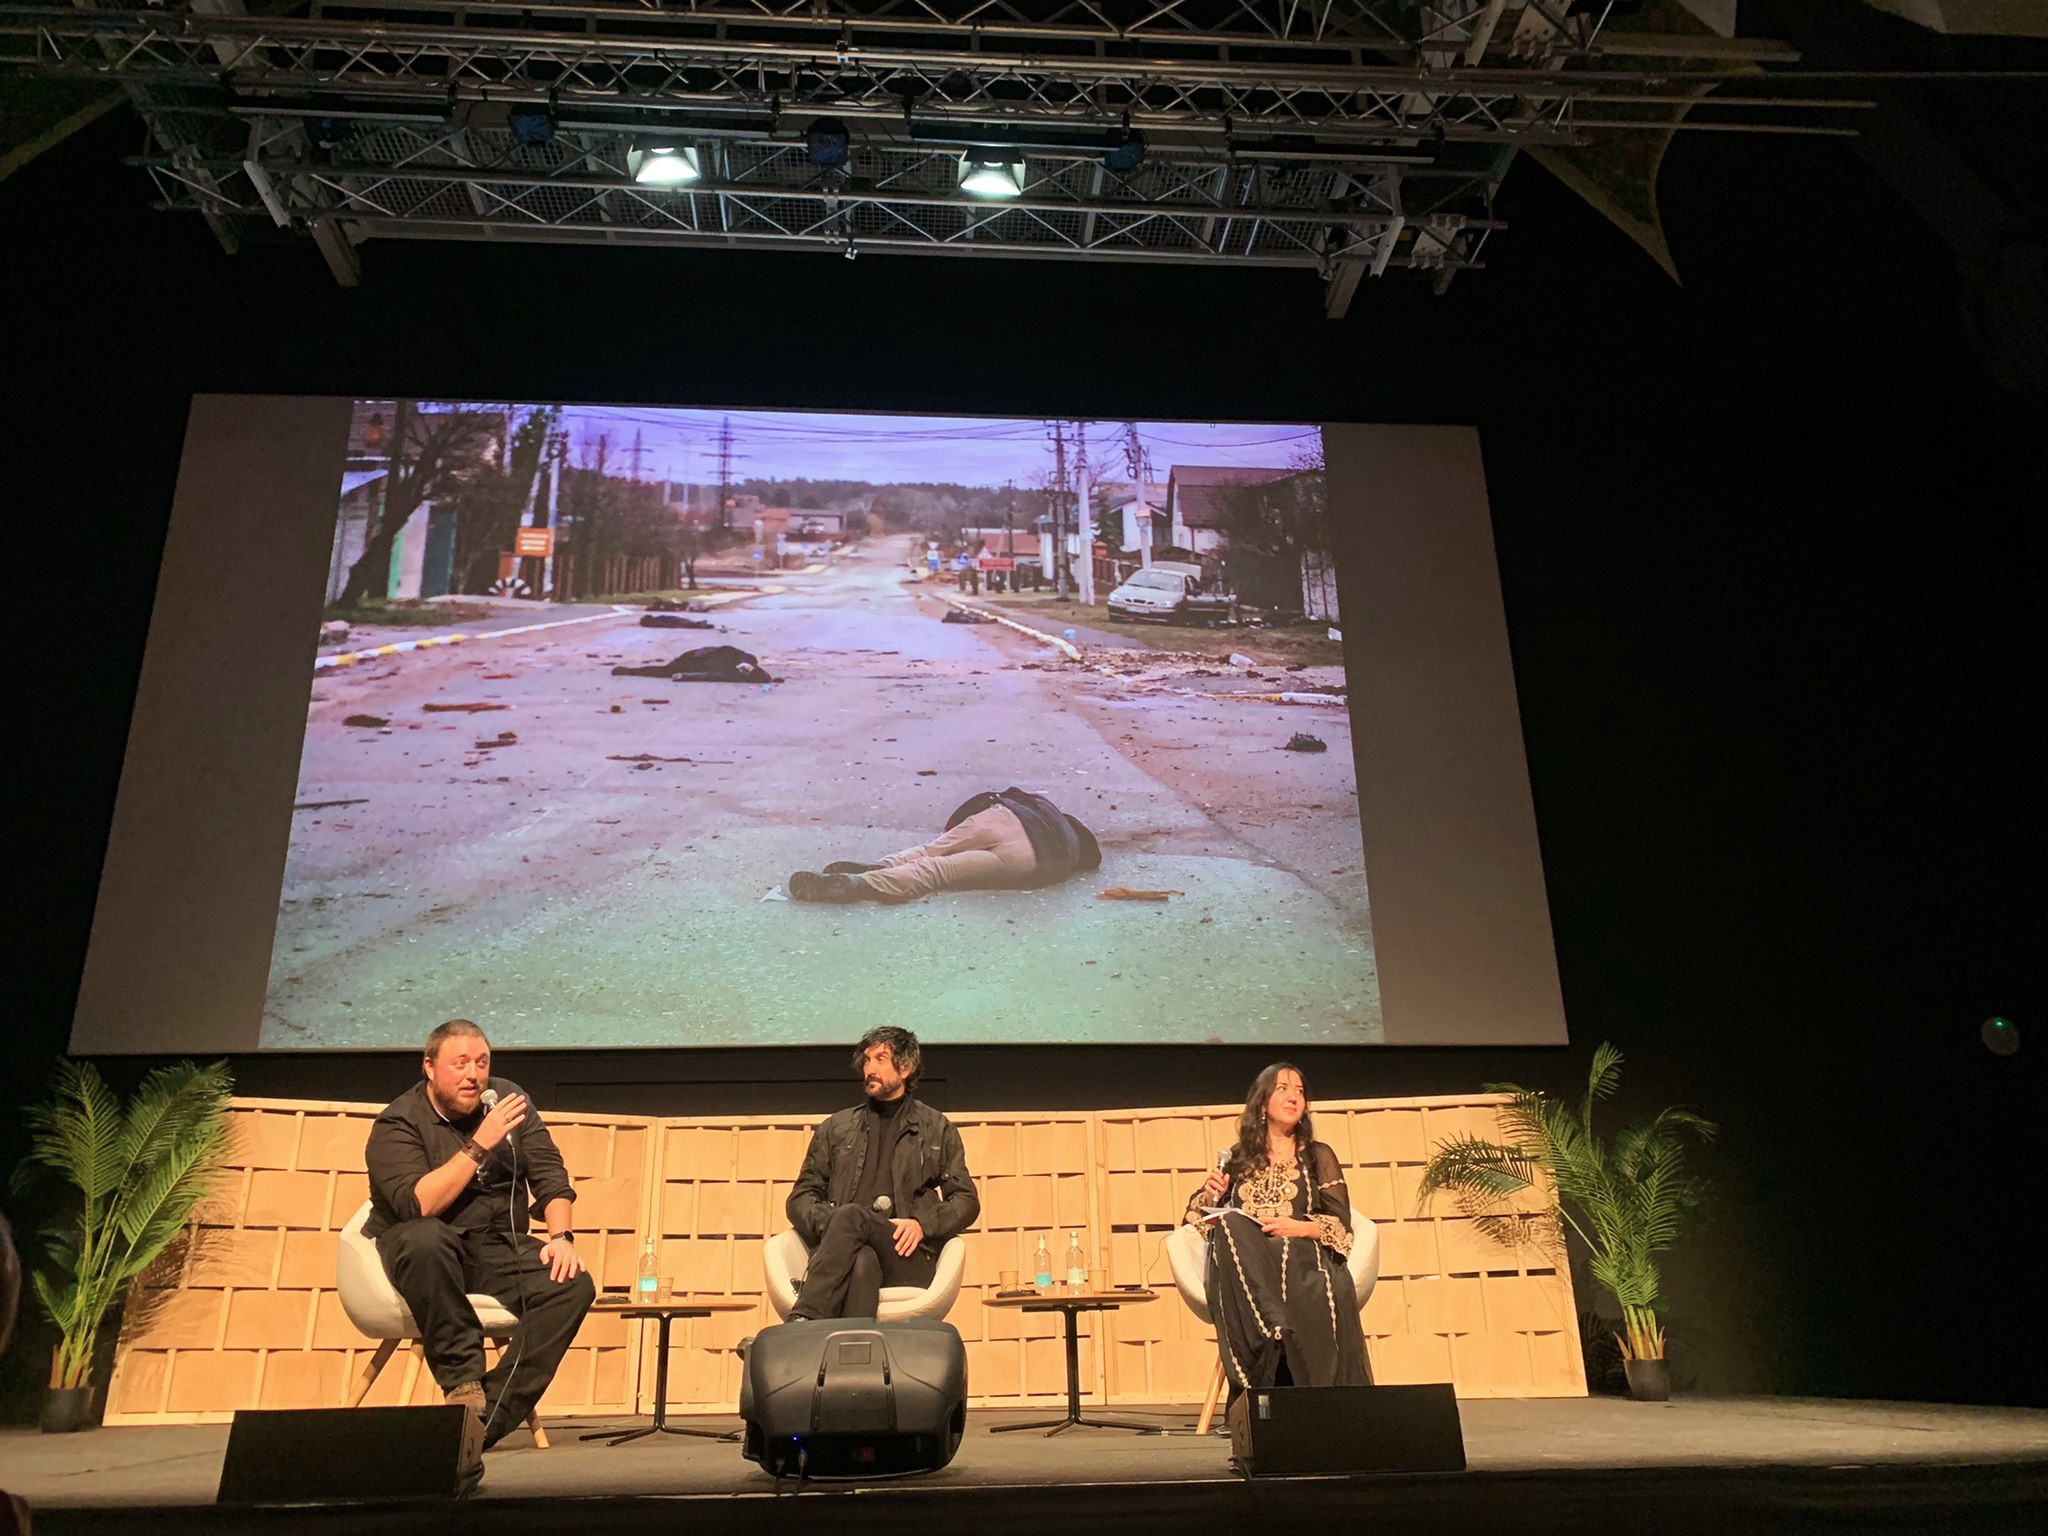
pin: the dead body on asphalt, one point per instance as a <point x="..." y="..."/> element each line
<point x="706" y="664"/>
<point x="999" y="840"/>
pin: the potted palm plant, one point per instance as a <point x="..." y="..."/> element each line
<point x="1627" y="1200"/>
<point x="135" y="1175"/>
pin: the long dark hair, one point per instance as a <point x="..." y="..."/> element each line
<point x="1250" y="1155"/>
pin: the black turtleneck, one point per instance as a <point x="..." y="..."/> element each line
<point x="885" y="1126"/>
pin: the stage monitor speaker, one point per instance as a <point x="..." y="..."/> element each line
<point x="326" y="1455"/>
<point x="851" y="1397"/>
<point x="1279" y="1431"/>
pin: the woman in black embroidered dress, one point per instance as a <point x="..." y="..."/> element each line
<point x="1286" y="1312"/>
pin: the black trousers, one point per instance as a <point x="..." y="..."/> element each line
<point x="434" y="1266"/>
<point x="853" y="1261"/>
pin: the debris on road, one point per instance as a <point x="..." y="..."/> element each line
<point x="667" y="620"/>
<point x="326" y="805"/>
<point x="964" y="616"/>
<point x="1239" y="659"/>
<point x="707" y="664"/>
<point x="1125" y="893"/>
<point x="496" y="677"/>
<point x="650" y="757"/>
<point x="334" y="632"/>
<point x="368" y="722"/>
<point x="461" y="709"/>
<point x="1301" y="741"/>
<point x="674" y="605"/>
<point x="502" y="739"/>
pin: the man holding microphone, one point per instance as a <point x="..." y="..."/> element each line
<point x="447" y="1161"/>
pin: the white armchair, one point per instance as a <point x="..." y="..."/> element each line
<point x="1187" y="1252"/>
<point x="379" y="1312"/>
<point x="784" y="1257"/>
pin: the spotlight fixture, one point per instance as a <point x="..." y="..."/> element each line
<point x="1126" y="151"/>
<point x="827" y="143"/>
<point x="327" y="132"/>
<point x="992" y="173"/>
<point x="656" y="163"/>
<point x="532" y="126"/>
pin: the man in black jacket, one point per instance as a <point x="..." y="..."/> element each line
<point x="450" y="1216"/>
<point x="883" y="1187"/>
<point x="1001" y="840"/>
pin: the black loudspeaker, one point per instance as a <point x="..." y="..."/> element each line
<point x="851" y="1397"/>
<point x="1281" y="1430"/>
<point x="323" y="1455"/>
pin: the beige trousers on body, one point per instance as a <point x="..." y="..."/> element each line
<point x="988" y="851"/>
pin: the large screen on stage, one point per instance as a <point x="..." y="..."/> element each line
<point x="617" y="726"/>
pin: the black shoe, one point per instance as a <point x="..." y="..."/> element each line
<point x="848" y="867"/>
<point x="806" y="886"/>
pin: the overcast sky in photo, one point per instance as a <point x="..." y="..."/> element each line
<point x="965" y="450"/>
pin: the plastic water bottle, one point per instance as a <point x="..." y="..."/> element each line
<point x="645" y="1284"/>
<point x="1077" y="1265"/>
<point x="1041" y="1265"/>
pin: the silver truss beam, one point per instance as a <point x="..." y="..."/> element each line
<point x="1352" y="137"/>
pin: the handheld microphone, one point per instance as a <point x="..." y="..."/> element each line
<point x="884" y="1204"/>
<point x="488" y="1098"/>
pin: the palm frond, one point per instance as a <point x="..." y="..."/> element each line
<point x="1629" y="1198"/>
<point x="138" y="1175"/>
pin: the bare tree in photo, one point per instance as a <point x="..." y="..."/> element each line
<point x="696" y="536"/>
<point x="435" y="449"/>
<point x="1273" y="528"/>
<point x="489" y="503"/>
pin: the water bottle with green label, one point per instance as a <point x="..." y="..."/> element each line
<point x="645" y="1285"/>
<point x="1041" y="1265"/>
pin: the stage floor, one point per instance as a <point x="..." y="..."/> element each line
<point x="1596" y="1456"/>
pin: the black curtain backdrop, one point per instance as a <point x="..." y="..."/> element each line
<point x="1769" y="543"/>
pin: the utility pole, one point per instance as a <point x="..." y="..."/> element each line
<point x="724" y="517"/>
<point x="1059" y="509"/>
<point x="1084" y="517"/>
<point x="557" y="456"/>
<point x="636" y="455"/>
<point x="1134" y="457"/>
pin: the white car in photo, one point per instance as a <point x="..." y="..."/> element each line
<point x="1171" y="592"/>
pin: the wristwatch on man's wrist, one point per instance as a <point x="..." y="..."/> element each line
<point x="561" y="1237"/>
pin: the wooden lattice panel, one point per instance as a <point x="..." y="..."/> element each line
<point x="244" y="1313"/>
<point x="248" y="1315"/>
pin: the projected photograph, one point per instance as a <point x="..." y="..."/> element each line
<point x="649" y="727"/>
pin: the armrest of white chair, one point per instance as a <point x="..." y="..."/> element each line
<point x="1364" y="1262"/>
<point x="783" y="1258"/>
<point x="364" y="1290"/>
<point x="1187" y="1252"/>
<point x="937" y="1299"/>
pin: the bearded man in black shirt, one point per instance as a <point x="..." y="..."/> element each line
<point x="883" y="1186"/>
<point x="450" y="1216"/>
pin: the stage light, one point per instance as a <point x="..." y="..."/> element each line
<point x="531" y="126"/>
<point x="1125" y="153"/>
<point x="827" y="143"/>
<point x="991" y="173"/>
<point x="327" y="132"/>
<point x="658" y="164"/>
<point x="2000" y="1037"/>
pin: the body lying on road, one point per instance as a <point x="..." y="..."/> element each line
<point x="1000" y="840"/>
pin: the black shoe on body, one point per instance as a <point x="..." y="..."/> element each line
<point x="806" y="886"/>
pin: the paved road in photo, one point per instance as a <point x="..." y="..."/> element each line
<point x="567" y="895"/>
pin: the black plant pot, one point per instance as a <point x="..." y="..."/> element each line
<point x="1649" y="1381"/>
<point x="67" y="1410"/>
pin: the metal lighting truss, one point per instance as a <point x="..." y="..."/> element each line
<point x="1346" y="136"/>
